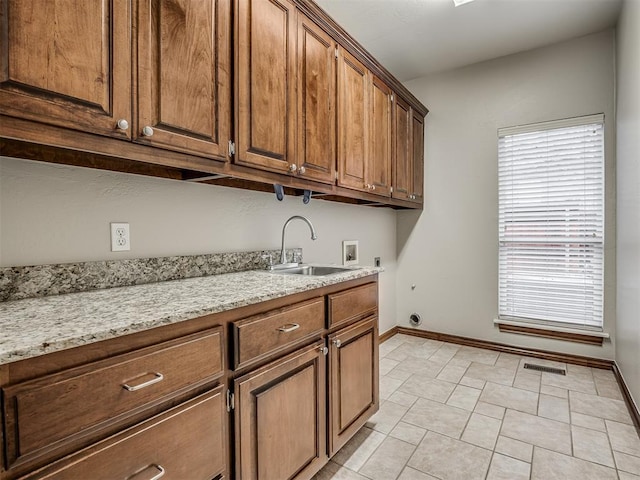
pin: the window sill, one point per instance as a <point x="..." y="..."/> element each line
<point x="559" y="333"/>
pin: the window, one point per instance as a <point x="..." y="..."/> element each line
<point x="551" y="222"/>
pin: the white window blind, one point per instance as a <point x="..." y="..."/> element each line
<point x="551" y="222"/>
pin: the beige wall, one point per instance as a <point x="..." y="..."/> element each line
<point x="57" y="214"/>
<point x="628" y="158"/>
<point x="450" y="251"/>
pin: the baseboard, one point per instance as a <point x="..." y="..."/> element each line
<point x="628" y="399"/>
<point x="501" y="347"/>
<point x="388" y="334"/>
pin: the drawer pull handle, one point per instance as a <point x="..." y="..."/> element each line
<point x="158" y="378"/>
<point x="157" y="476"/>
<point x="290" y="327"/>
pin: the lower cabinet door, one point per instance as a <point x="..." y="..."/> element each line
<point x="280" y="417"/>
<point x="185" y="442"/>
<point x="353" y="380"/>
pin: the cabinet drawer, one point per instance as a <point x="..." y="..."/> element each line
<point x="83" y="403"/>
<point x="258" y="336"/>
<point x="353" y="304"/>
<point x="185" y="442"/>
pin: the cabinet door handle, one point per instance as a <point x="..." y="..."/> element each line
<point x="323" y="350"/>
<point x="122" y="124"/>
<point x="158" y="378"/>
<point x="289" y="327"/>
<point x="147" y="131"/>
<point x="337" y="343"/>
<point x="157" y="476"/>
<point x="293" y="167"/>
<point x="301" y="170"/>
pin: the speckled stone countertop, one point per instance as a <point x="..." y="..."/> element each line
<point x="36" y="326"/>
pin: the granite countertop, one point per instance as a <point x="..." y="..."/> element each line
<point x="36" y="326"/>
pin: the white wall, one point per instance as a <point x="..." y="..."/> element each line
<point x="450" y="251"/>
<point x="57" y="214"/>
<point x="628" y="158"/>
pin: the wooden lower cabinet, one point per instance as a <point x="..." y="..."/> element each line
<point x="187" y="441"/>
<point x="353" y="380"/>
<point x="280" y="418"/>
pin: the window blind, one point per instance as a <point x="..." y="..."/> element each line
<point x="551" y="222"/>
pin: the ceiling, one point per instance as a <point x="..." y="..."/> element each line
<point x="413" y="38"/>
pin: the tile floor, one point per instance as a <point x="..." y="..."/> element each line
<point x="455" y="412"/>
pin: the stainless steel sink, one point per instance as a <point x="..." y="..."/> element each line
<point x="315" y="270"/>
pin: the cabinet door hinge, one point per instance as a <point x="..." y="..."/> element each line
<point x="232" y="148"/>
<point x="336" y="52"/>
<point x="391" y="190"/>
<point x="231" y="401"/>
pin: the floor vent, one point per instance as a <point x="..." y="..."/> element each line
<point x="540" y="368"/>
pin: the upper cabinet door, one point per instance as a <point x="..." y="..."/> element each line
<point x="266" y="84"/>
<point x="67" y="63"/>
<point x="379" y="177"/>
<point x="418" y="158"/>
<point x="402" y="151"/>
<point x="184" y="84"/>
<point x="316" y="102"/>
<point x="353" y="121"/>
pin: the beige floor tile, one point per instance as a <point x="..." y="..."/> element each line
<point x="602" y="407"/>
<point x="356" y="451"/>
<point x="627" y="476"/>
<point x="437" y="417"/>
<point x="587" y="421"/>
<point x="554" y="391"/>
<point x="508" y="360"/>
<point x="414" y="340"/>
<point x="412" y="474"/>
<point x="507" y="468"/>
<point x="451" y="373"/>
<point x="427" y="387"/>
<point x="592" y="446"/>
<point x="490" y="410"/>
<point x="627" y="463"/>
<point x="388" y="460"/>
<point x="333" y="471"/>
<point x="399" y="374"/>
<point x="477" y="355"/>
<point x="554" y="408"/>
<point x="575" y="383"/>
<point x="424" y="367"/>
<point x="602" y="373"/>
<point x="408" y="433"/>
<point x="444" y="353"/>
<point x="449" y="459"/>
<point x="548" y="465"/>
<point x="608" y="388"/>
<point x="402" y="398"/>
<point x="464" y="397"/>
<point x="510" y="397"/>
<point x="624" y="438"/>
<point x="457" y="362"/>
<point x="526" y="381"/>
<point x="514" y="448"/>
<point x="472" y="382"/>
<point x="482" y="431"/>
<point x="388" y="385"/>
<point x="387" y="417"/>
<point x="489" y="373"/>
<point x="386" y="365"/>
<point x="538" y="431"/>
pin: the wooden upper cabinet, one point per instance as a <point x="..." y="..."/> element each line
<point x="379" y="168"/>
<point x="184" y="89"/>
<point x="316" y="102"/>
<point x="417" y="136"/>
<point x="266" y="84"/>
<point x="67" y="63"/>
<point x="353" y="121"/>
<point x="402" y="149"/>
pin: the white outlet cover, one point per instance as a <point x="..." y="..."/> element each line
<point x="350" y="252"/>
<point x="120" y="239"/>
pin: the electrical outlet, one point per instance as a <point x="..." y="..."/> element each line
<point x="120" y="240"/>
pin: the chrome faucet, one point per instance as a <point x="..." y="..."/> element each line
<point x="283" y="253"/>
